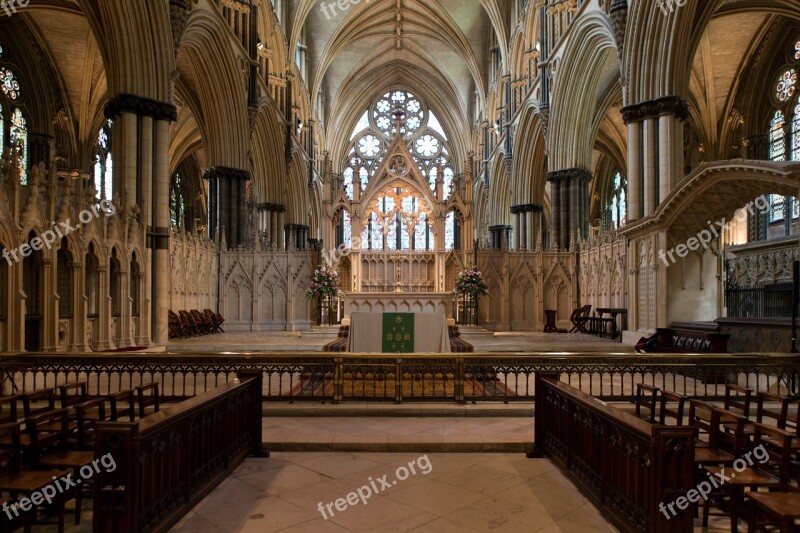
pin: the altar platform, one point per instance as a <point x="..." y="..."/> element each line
<point x="398" y="302"/>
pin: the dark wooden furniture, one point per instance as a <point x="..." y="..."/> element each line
<point x="148" y="399"/>
<point x="168" y="461"/>
<point x="646" y="398"/>
<point x="123" y="405"/>
<point x="690" y="340"/>
<point x="618" y="319"/>
<point x="756" y="476"/>
<point x="623" y="464"/>
<point x="550" y="325"/>
<point x="579" y="318"/>
<point x="781" y="509"/>
<point x="342" y="341"/>
<point x="17" y="481"/>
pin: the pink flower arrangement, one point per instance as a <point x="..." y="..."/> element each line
<point x="325" y="283"/>
<point x="470" y="282"/>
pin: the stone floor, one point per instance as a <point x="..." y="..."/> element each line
<point x="407" y="434"/>
<point x="483" y="341"/>
<point x="460" y="493"/>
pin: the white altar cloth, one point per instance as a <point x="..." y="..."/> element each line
<point x="430" y="333"/>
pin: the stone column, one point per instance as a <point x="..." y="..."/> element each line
<point x="649" y="176"/>
<point x="530" y="231"/>
<point x="517" y="237"/>
<point x="555" y="203"/>
<point x="124" y="339"/>
<point x="521" y="220"/>
<point x="78" y="333"/>
<point x="161" y="235"/>
<point x="273" y="226"/>
<point x="103" y="323"/>
<point x="227" y="202"/>
<point x="634" y="171"/>
<point x="145" y="154"/>
<point x="49" y="306"/>
<point x="282" y="229"/>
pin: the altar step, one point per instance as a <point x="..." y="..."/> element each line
<point x="322" y="332"/>
<point x="399" y="435"/>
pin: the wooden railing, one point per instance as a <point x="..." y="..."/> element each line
<point x="623" y="464"/>
<point x="168" y="461"/>
<point x="376" y="377"/>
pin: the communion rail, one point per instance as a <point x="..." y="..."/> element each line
<point x="458" y="378"/>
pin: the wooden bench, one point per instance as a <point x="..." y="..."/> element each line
<point x="623" y="464"/>
<point x="690" y="340"/>
<point x="168" y="461"/>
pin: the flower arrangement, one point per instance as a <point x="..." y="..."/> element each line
<point x="325" y="283"/>
<point x="470" y="282"/>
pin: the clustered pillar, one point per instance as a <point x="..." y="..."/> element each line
<point x="569" y="201"/>
<point x="227" y="211"/>
<point x="499" y="236"/>
<point x="527" y="223"/>
<point x="655" y="152"/>
<point x="143" y="160"/>
<point x="298" y="235"/>
<point x="271" y="231"/>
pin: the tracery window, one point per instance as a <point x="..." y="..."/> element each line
<point x="18" y="135"/>
<point x="784" y="132"/>
<point x="617" y="209"/>
<point x="396" y="215"/>
<point x="104" y="164"/>
<point x="17" y="125"/>
<point x="420" y="128"/>
<point x="177" y="201"/>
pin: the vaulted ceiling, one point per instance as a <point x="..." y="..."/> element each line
<point x="438" y="49"/>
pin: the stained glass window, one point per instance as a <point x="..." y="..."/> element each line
<point x="104" y="164"/>
<point x="423" y="235"/>
<point x="347" y="229"/>
<point x="618" y="208"/>
<point x="177" y="201"/>
<point x="450" y="231"/>
<point x="9" y="83"/>
<point x="347" y="178"/>
<point x="787" y="83"/>
<point x="777" y="139"/>
<point x="19" y="139"/>
<point x="384" y="111"/>
<point x="777" y="204"/>
<point x="796" y="132"/>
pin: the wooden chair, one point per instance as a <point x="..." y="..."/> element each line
<point x="579" y="318"/>
<point x="72" y="394"/>
<point x="18" y="482"/>
<point x="774" y="474"/>
<point x="147" y="396"/>
<point x="175" y="326"/>
<point x="88" y="415"/>
<point x="646" y="397"/>
<point x="738" y="399"/>
<point x="123" y="405"/>
<point x="38" y="402"/>
<point x="8" y="409"/>
<point x="711" y="420"/>
<point x="50" y="446"/>
<point x="781" y="509"/>
<point x="700" y="418"/>
<point x="664" y="410"/>
<point x="217" y="319"/>
<point x="765" y="410"/>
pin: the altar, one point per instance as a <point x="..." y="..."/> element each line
<point x="398" y="333"/>
<point x="398" y="302"/>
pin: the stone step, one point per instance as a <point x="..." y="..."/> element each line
<point x="404" y="410"/>
<point x="419" y="434"/>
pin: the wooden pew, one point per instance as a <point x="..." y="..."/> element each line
<point x="169" y="461"/>
<point x="623" y="464"/>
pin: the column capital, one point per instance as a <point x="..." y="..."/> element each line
<point x="226" y="173"/>
<point x="527" y="208"/>
<point x="668" y="105"/>
<point x="568" y="174"/>
<point x="143" y="107"/>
